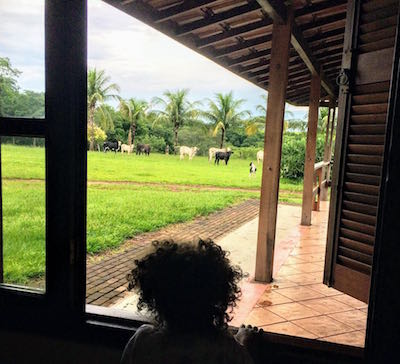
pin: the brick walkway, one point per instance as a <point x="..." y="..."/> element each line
<point x="106" y="283"/>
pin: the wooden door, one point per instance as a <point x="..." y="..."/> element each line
<point x="368" y="56"/>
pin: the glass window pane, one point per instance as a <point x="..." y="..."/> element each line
<point x="22" y="75"/>
<point x="23" y="211"/>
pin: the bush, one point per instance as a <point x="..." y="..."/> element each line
<point x="157" y="144"/>
<point x="293" y="154"/>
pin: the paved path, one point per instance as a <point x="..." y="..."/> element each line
<point x="106" y="283"/>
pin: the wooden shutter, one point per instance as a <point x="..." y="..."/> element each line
<point x="351" y="231"/>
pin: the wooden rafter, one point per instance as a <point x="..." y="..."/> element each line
<point x="182" y="8"/>
<point x="233" y="33"/>
<point x="299" y="44"/>
<point x="243" y="45"/>
<point x="217" y="19"/>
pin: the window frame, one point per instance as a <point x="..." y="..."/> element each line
<point x="64" y="129"/>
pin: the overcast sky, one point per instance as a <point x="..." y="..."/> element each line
<point x="142" y="61"/>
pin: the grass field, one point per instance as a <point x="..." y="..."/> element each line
<point x="116" y="211"/>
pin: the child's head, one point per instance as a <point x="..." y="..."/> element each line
<point x="187" y="286"/>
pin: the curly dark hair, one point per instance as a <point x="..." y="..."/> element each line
<point x="187" y="286"/>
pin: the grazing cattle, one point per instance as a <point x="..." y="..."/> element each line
<point x="113" y="146"/>
<point x="253" y="169"/>
<point x="191" y="152"/>
<point x="260" y="156"/>
<point x="222" y="156"/>
<point x="126" y="148"/>
<point x="212" y="151"/>
<point x="143" y="148"/>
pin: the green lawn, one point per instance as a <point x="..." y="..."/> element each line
<point x="156" y="168"/>
<point x="115" y="211"/>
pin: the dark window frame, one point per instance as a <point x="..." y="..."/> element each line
<point x="64" y="129"/>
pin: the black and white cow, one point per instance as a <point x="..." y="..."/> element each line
<point x="253" y="169"/>
<point x="222" y="156"/>
<point x="113" y="146"/>
<point x="143" y="148"/>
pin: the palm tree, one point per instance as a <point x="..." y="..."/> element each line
<point x="177" y="109"/>
<point x="99" y="90"/>
<point x="224" y="112"/>
<point x="133" y="111"/>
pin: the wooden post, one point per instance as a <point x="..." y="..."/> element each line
<point x="328" y="173"/>
<point x="272" y="150"/>
<point x="324" y="186"/>
<point x="310" y="150"/>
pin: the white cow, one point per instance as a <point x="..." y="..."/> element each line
<point x="191" y="152"/>
<point x="260" y="156"/>
<point x="126" y="148"/>
<point x="212" y="151"/>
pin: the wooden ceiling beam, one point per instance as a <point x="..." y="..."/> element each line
<point x="323" y="22"/>
<point x="181" y="9"/>
<point x="298" y="42"/>
<point x="242" y="46"/>
<point x="249" y="57"/>
<point x="316" y="8"/>
<point x="275" y="9"/>
<point x="217" y="19"/>
<point x="234" y="32"/>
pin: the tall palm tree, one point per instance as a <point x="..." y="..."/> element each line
<point x="224" y="112"/>
<point x="99" y="90"/>
<point x="133" y="111"/>
<point x="177" y="109"/>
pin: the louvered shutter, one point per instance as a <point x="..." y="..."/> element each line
<point x="351" y="232"/>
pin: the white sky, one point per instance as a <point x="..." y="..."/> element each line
<point x="142" y="61"/>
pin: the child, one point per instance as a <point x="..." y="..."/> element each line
<point x="188" y="289"/>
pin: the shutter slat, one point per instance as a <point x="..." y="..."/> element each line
<point x="357" y="216"/>
<point x="357" y="236"/>
<point x="356" y="226"/>
<point x="366" y="149"/>
<point x="361" y="198"/>
<point x="380" y="97"/>
<point x="354" y="264"/>
<point x="368" y="119"/>
<point x="370" y="108"/>
<point x="367" y="139"/>
<point x="363" y="178"/>
<point x="356" y="245"/>
<point x="364" y="169"/>
<point x="359" y="207"/>
<point x="355" y="255"/>
<point x="367" y="129"/>
<point x="365" y="159"/>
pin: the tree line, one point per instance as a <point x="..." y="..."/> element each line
<point x="168" y="120"/>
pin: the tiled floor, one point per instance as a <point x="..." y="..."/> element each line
<point x="297" y="303"/>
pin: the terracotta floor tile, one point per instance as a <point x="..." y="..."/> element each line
<point x="322" y="326"/>
<point x="303" y="278"/>
<point x="292" y="311"/>
<point x="288" y="328"/>
<point x="355" y="338"/>
<point x="282" y="282"/>
<point x="311" y="257"/>
<point x="293" y="260"/>
<point x="286" y="270"/>
<point x="308" y="250"/>
<point x="365" y="309"/>
<point x="307" y="267"/>
<point x="300" y="293"/>
<point x="324" y="289"/>
<point x="270" y="298"/>
<point x="351" y="301"/>
<point x="326" y="305"/>
<point x="261" y="317"/>
<point x="354" y="318"/>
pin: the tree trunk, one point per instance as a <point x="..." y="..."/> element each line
<point x="91" y="124"/>
<point x="222" y="138"/>
<point x="13" y="140"/>
<point x="34" y="142"/>
<point x="130" y="136"/>
<point x="175" y="138"/>
<point x="133" y="134"/>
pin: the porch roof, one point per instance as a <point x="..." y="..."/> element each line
<point x="236" y="34"/>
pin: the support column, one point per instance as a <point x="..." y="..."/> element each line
<point x="281" y="34"/>
<point x="328" y="174"/>
<point x="310" y="150"/>
<point x="324" y="186"/>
